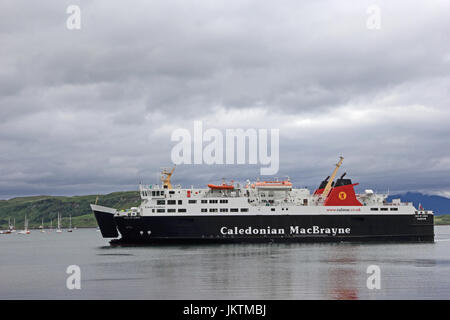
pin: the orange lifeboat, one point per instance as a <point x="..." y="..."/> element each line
<point x="221" y="187"/>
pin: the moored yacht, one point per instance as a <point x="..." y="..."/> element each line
<point x="25" y="227"/>
<point x="58" y="229"/>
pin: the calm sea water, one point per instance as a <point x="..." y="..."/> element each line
<point x="34" y="267"/>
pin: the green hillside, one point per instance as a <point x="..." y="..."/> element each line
<point x="47" y="207"/>
<point x="442" y="219"/>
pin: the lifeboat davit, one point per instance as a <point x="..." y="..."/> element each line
<point x="221" y="187"/>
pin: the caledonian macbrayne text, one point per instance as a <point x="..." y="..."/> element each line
<point x="284" y="231"/>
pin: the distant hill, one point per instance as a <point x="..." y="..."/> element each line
<point x="47" y="207"/>
<point x="440" y="205"/>
<point x="443" y="219"/>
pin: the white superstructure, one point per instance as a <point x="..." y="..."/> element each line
<point x="276" y="197"/>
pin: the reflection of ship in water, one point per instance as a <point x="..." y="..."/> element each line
<point x="265" y="271"/>
<point x="252" y="270"/>
<point x="343" y="279"/>
<point x="345" y="284"/>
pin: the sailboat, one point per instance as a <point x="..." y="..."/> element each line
<point x="42" y="226"/>
<point x="59" y="223"/>
<point x="9" y="228"/>
<point x="25" y="227"/>
<point x="70" y="224"/>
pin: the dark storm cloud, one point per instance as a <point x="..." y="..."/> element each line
<point x="92" y="110"/>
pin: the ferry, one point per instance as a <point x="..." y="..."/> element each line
<point x="264" y="211"/>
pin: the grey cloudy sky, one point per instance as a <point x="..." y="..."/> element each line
<point x="92" y="110"/>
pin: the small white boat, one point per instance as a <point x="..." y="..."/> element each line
<point x="58" y="230"/>
<point x="70" y="224"/>
<point x="42" y="226"/>
<point x="25" y="227"/>
<point x="10" y="228"/>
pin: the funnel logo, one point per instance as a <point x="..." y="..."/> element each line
<point x="342" y="195"/>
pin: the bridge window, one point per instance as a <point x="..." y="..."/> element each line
<point x="384" y="209"/>
<point x="161" y="210"/>
<point x="160" y="202"/>
<point x="213" y="210"/>
<point x="244" y="209"/>
<point x="180" y="201"/>
<point x="223" y="209"/>
<point x="223" y="201"/>
<point x="171" y="210"/>
<point x="204" y="201"/>
<point x="181" y="210"/>
<point x="234" y="210"/>
<point x="373" y="209"/>
<point x="204" y="210"/>
<point x="272" y="209"/>
<point x="171" y="201"/>
<point x="394" y="209"/>
<point x="192" y="201"/>
<point x="212" y="201"/>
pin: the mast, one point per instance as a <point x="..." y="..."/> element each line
<point x="166" y="176"/>
<point x="327" y="189"/>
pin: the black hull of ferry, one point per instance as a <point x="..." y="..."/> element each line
<point x="137" y="230"/>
